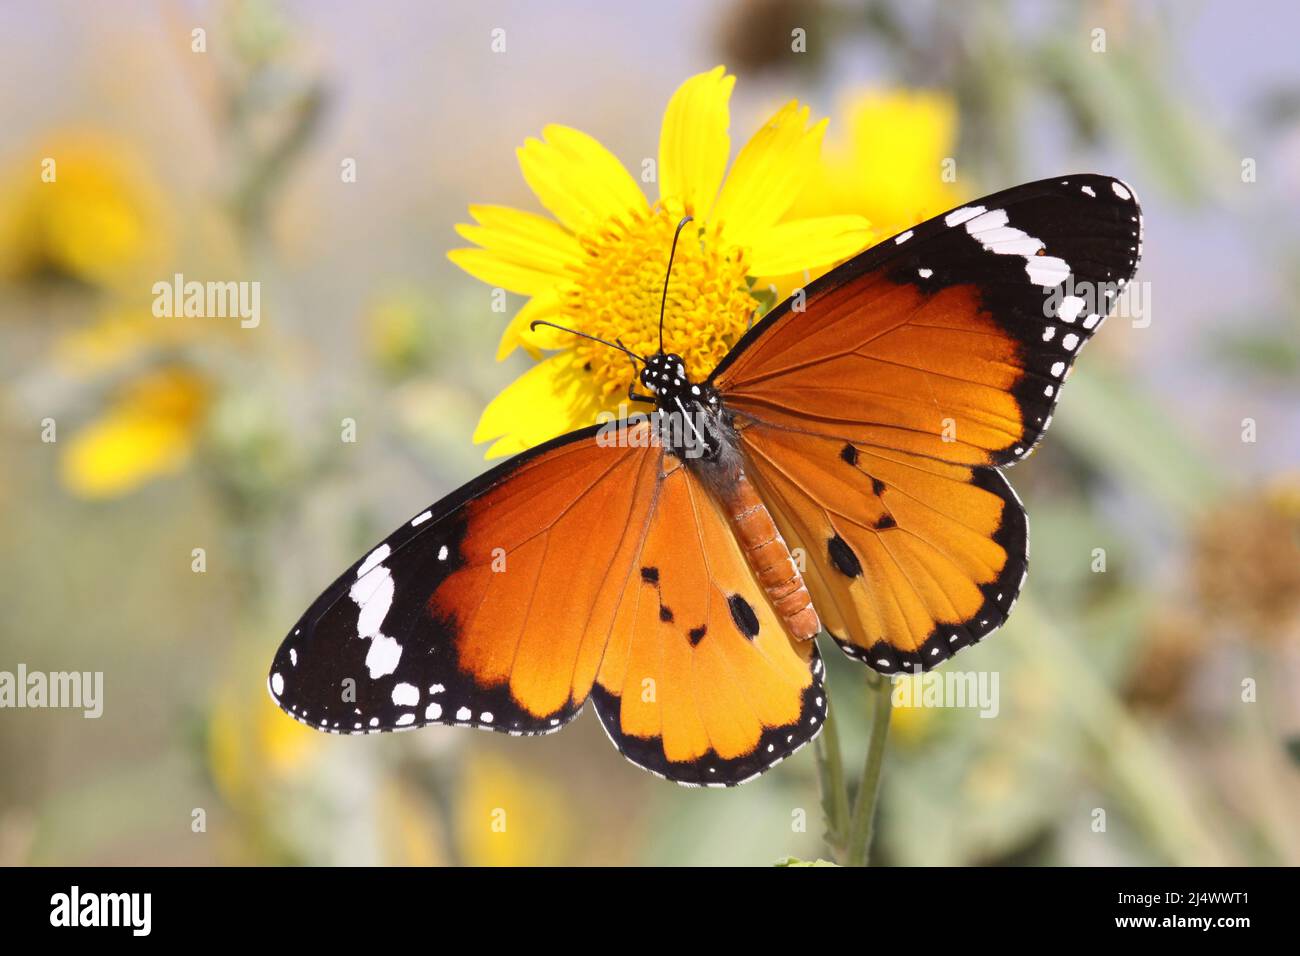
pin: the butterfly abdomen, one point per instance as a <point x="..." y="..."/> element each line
<point x="769" y="557"/>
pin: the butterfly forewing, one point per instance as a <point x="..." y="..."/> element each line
<point x="485" y="610"/>
<point x="951" y="339"/>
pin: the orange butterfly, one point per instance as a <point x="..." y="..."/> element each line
<point x="653" y="567"/>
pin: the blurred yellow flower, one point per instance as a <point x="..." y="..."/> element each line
<point x="148" y="431"/>
<point x="910" y="722"/>
<point x="82" y="205"/>
<point x="251" y="745"/>
<point x="598" y="266"/>
<point x="888" y="161"/>
<point x="509" y="816"/>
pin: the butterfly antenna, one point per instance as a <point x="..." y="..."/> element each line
<point x="664" y="301"/>
<point x="619" y="345"/>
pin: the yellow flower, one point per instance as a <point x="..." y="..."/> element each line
<point x="888" y="164"/>
<point x="84" y="206"/>
<point x="509" y="816"/>
<point x="148" y="431"/>
<point x="598" y="266"/>
<point x="251" y="743"/>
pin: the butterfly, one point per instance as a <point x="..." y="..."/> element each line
<point x="840" y="471"/>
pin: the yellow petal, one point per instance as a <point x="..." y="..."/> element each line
<point x="499" y="271"/>
<point x="807" y="244"/>
<point x="523" y="237"/>
<point x="886" y="161"/>
<point x="551" y="398"/>
<point x="577" y="179"/>
<point x="693" y="143"/>
<point x="517" y="333"/>
<point x="769" y="173"/>
<point x="147" y="434"/>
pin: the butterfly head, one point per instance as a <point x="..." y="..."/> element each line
<point x="664" y="375"/>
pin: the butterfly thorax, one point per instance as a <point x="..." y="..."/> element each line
<point x="692" y="422"/>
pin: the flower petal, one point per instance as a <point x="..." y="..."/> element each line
<point x="884" y="160"/>
<point x="551" y="398"/>
<point x="523" y="237"/>
<point x="769" y="173"/>
<point x="499" y="271"/>
<point x="147" y="433"/>
<point x="518" y="334"/>
<point x="693" y="142"/>
<point x="577" y="179"/>
<point x="807" y="244"/>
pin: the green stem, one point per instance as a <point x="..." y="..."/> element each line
<point x="864" y="807"/>
<point x="835" y="795"/>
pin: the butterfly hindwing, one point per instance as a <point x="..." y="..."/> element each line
<point x="950" y="340"/>
<point x="908" y="559"/>
<point x="701" y="683"/>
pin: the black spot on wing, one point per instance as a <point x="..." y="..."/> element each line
<point x="665" y="613"/>
<point x="885" y="522"/>
<point x="650" y="575"/>
<point x="849" y="454"/>
<point x="696" y="634"/>
<point x="999" y="595"/>
<point x="877" y="487"/>
<point x="743" y="615"/>
<point x="843" y="558"/>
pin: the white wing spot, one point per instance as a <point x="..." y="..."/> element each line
<point x="900" y="239"/>
<point x="1088" y="190"/>
<point x="1120" y="191"/>
<point x="433" y="711"/>
<point x="1070" y="308"/>
<point x="1049" y="333"/>
<point x="406" y="695"/>
<point x="442" y="553"/>
<point x="277" y="684"/>
<point x="958" y="216"/>
<point x="421" y="518"/>
<point x="383" y="656"/>
<point x="373" y="558"/>
<point x="462" y="714"/>
<point x="405" y="719"/>
<point x="1070" y="341"/>
<point x="925" y="273"/>
<point x="1058" y="368"/>
<point x="991" y="231"/>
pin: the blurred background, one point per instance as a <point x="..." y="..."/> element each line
<point x="1152" y="667"/>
